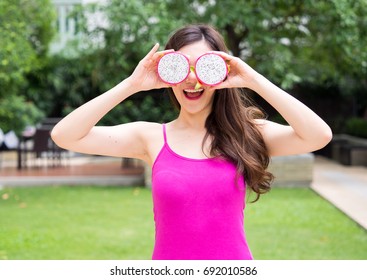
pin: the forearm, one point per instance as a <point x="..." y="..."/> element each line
<point x="79" y="122"/>
<point x="305" y="123"/>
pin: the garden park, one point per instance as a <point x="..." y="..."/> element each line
<point x="316" y="50"/>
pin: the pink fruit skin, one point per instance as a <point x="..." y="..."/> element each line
<point x="203" y="83"/>
<point x="188" y="72"/>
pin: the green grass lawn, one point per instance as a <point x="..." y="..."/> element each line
<point x="117" y="223"/>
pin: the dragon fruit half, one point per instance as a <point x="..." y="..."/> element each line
<point x="211" y="69"/>
<point x="173" y="68"/>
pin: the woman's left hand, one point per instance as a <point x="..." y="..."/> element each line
<point x="240" y="74"/>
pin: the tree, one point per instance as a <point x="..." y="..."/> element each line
<point x="26" y="28"/>
<point x="128" y="29"/>
<point x="25" y="31"/>
<point x="289" y="41"/>
<point x="292" y="42"/>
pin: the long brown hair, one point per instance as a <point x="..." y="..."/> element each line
<point x="231" y="123"/>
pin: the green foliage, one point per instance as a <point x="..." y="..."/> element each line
<point x="147" y="109"/>
<point x="290" y="42"/>
<point x="26" y="28"/>
<point x="115" y="47"/>
<point x="69" y="81"/>
<point x="62" y="83"/>
<point x="356" y="127"/>
<point x="16" y="113"/>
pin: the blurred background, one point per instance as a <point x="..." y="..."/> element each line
<point x="57" y="54"/>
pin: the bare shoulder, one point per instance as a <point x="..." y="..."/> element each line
<point x="151" y="135"/>
<point x="140" y="129"/>
<point x="147" y="130"/>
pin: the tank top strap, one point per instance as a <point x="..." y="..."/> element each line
<point x="164" y="133"/>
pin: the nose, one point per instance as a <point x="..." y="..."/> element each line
<point x="191" y="78"/>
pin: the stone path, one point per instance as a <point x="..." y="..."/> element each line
<point x="343" y="186"/>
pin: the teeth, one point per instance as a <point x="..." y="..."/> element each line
<point x="194" y="90"/>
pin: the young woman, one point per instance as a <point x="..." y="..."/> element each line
<point x="203" y="161"/>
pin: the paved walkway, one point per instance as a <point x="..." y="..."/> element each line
<point x="343" y="186"/>
<point x="84" y="170"/>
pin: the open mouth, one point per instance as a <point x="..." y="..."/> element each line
<point x="193" y="94"/>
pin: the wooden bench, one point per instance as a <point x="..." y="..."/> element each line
<point x="353" y="154"/>
<point x="349" y="150"/>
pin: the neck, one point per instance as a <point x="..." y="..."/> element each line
<point x="196" y="121"/>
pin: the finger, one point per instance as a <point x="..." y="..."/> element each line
<point x="162" y="53"/>
<point x="224" y="55"/>
<point x="152" y="51"/>
<point x="232" y="61"/>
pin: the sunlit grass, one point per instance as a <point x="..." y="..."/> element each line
<point x="298" y="224"/>
<point x="117" y="223"/>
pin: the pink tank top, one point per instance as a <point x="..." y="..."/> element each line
<point x="198" y="208"/>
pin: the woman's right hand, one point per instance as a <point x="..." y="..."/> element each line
<point x="79" y="132"/>
<point x="145" y="76"/>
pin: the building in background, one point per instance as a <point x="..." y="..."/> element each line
<point x="66" y="23"/>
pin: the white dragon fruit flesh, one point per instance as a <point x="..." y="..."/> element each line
<point x="211" y="69"/>
<point x="173" y="68"/>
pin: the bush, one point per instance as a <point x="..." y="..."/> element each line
<point x="16" y="113"/>
<point x="356" y="127"/>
